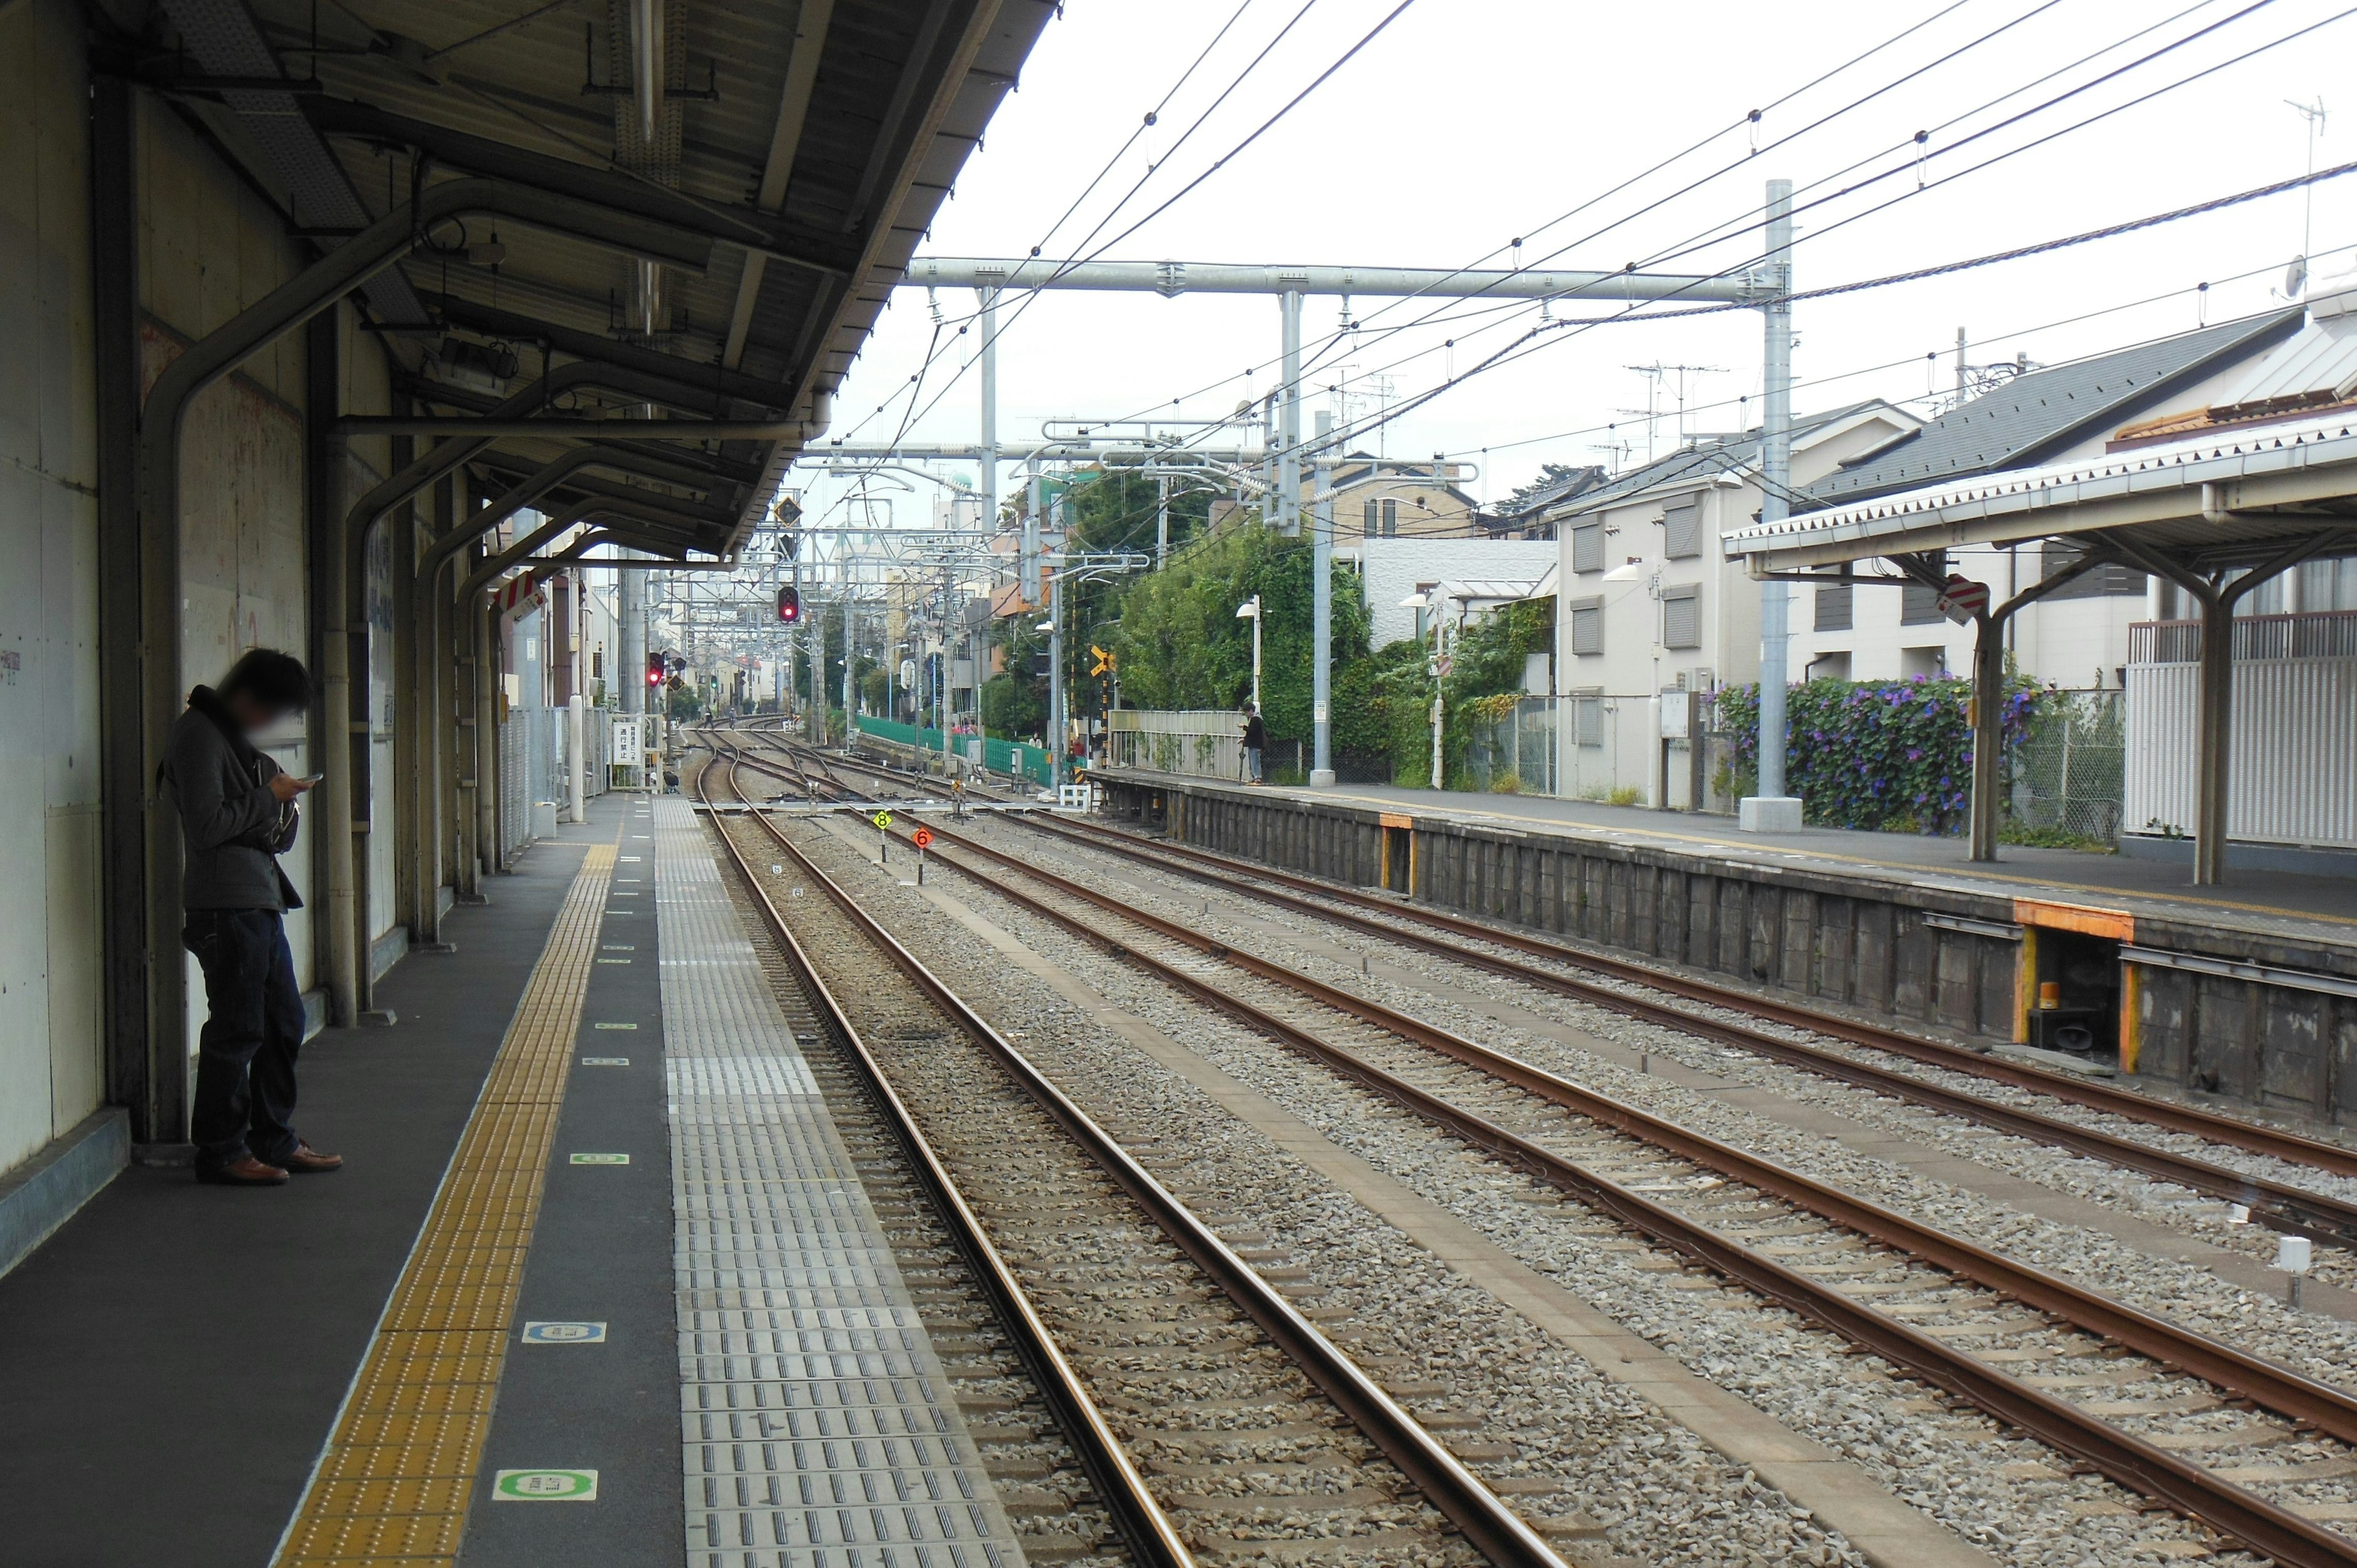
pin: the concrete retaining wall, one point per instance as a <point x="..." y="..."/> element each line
<point x="1874" y="944"/>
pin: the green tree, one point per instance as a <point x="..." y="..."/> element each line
<point x="1181" y="645"/>
<point x="1015" y="700"/>
<point x="1550" y="475"/>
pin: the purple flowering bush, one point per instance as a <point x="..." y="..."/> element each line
<point x="1884" y="756"/>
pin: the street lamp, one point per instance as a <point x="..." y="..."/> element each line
<point x="1250" y="610"/>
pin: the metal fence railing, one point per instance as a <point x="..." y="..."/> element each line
<point x="1010" y="758"/>
<point x="534" y="747"/>
<point x="1515" y="753"/>
<point x="2313" y="634"/>
<point x="1208" y="743"/>
<point x="2069" y="772"/>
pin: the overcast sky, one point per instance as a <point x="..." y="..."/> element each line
<point x="1465" y="123"/>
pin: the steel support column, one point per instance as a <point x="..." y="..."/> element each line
<point x="410" y="696"/>
<point x="482" y="635"/>
<point x="2214" y="739"/>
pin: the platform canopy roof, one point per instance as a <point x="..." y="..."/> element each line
<point x="790" y="153"/>
<point x="2207" y="505"/>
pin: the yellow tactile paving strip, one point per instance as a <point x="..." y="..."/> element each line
<point x="394" y="1485"/>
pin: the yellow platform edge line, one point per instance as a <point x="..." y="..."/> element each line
<point x="396" y="1475"/>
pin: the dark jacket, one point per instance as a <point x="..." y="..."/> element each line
<point x="1256" y="733"/>
<point x="232" y="828"/>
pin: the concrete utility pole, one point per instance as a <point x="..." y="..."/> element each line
<point x="1772" y="810"/>
<point x="1161" y="519"/>
<point x="1288" y="458"/>
<point x="1056" y="737"/>
<point x="847" y="620"/>
<point x="1322" y="625"/>
<point x="1028" y="568"/>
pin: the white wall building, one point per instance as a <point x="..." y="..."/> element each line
<point x="1646" y="603"/>
<point x="1391" y="570"/>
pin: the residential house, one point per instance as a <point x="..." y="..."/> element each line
<point x="1385" y="497"/>
<point x="1647" y="605"/>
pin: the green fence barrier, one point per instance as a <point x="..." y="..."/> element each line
<point x="1006" y="756"/>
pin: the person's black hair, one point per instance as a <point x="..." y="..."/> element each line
<point x="277" y="681"/>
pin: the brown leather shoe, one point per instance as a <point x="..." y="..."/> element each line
<point x="309" y="1161"/>
<point x="242" y="1171"/>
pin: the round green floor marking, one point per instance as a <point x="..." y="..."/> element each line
<point x="545" y="1486"/>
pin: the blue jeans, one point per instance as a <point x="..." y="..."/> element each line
<point x="253" y="1030"/>
<point x="1252" y="763"/>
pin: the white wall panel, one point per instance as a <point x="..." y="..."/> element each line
<point x="49" y="1039"/>
<point x="2294" y="774"/>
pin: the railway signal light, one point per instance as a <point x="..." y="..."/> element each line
<point x="789" y="603"/>
<point x="655" y="669"/>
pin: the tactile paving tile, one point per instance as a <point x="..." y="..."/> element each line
<point x="818" y="1430"/>
<point x="400" y="1468"/>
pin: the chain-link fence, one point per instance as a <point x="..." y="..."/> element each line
<point x="1516" y="752"/>
<point x="2070" y="770"/>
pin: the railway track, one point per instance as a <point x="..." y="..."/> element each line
<point x="1252" y="1428"/>
<point x="2278" y="1204"/>
<point x="2167" y="1412"/>
<point x="911" y="1186"/>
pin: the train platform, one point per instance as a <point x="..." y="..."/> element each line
<point x="2102" y="963"/>
<point x="598" y="1272"/>
<point x="2310" y="906"/>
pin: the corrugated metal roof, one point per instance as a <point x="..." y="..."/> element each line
<point x="2036" y="499"/>
<point x="2031" y="416"/>
<point x="2320" y="360"/>
<point x="812" y="139"/>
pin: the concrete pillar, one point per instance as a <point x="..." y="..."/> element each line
<point x="631" y="613"/>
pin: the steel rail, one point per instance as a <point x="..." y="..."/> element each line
<point x="2126" y="1458"/>
<point x="2284" y="1207"/>
<point x="1460" y="1496"/>
<point x="1142" y="1525"/>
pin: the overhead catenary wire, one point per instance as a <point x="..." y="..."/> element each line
<point x="1750" y="219"/>
<point x="1555" y="332"/>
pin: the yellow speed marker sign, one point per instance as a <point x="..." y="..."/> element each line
<point x="882" y="819"/>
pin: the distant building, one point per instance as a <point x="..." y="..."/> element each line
<point x="1646" y="604"/>
<point x="1393" y="570"/>
<point x="1384" y="498"/>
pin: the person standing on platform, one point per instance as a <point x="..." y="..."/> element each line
<point x="237" y="817"/>
<point x="1256" y="743"/>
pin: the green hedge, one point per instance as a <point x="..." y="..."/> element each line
<point x="1884" y="756"/>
